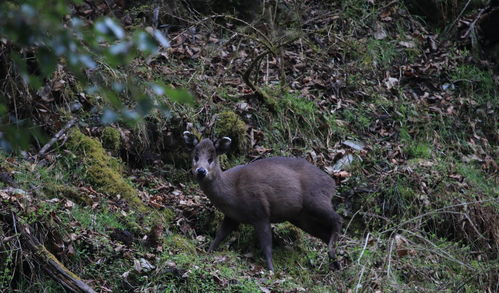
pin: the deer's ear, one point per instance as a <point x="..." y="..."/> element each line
<point x="222" y="145"/>
<point x="190" y="139"/>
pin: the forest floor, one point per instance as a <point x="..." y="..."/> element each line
<point x="402" y="115"/>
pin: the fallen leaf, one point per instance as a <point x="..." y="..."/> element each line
<point x="407" y="44"/>
<point x="401" y="244"/>
<point x="356" y="145"/>
<point x="146" y="265"/>
<point x="380" y="33"/>
<point x="342" y="163"/>
<point x="390" y="82"/>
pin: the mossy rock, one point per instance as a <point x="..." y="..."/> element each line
<point x="289" y="233"/>
<point x="229" y="124"/>
<point x="102" y="170"/>
<point x="111" y="139"/>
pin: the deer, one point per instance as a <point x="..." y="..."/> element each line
<point x="266" y="191"/>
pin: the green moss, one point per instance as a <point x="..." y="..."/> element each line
<point x="229" y="124"/>
<point x="41" y="213"/>
<point x="111" y="182"/>
<point x="406" y="193"/>
<point x="298" y="105"/>
<point x="65" y="191"/>
<point x="96" y="220"/>
<point x="379" y="53"/>
<point x="179" y="244"/>
<point x="337" y="126"/>
<point x="224" y="161"/>
<point x="404" y="134"/>
<point x="292" y="261"/>
<point x="473" y="80"/>
<point x="102" y="170"/>
<point x="357" y="118"/>
<point x="227" y="163"/>
<point x="167" y="215"/>
<point x="478" y="179"/>
<point x="418" y="150"/>
<point x="111" y="139"/>
<point x="144" y="222"/>
<point x="289" y="232"/>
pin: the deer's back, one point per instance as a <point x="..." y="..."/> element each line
<point x="280" y="187"/>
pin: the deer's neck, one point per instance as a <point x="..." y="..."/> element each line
<point x="218" y="188"/>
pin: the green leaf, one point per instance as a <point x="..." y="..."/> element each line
<point x="34" y="81"/>
<point x="145" y="43"/>
<point x="47" y="61"/>
<point x="182" y="96"/>
<point x="109" y="29"/>
<point x="17" y="136"/>
<point x="144" y="105"/>
<point x="130" y="116"/>
<point x="3" y="110"/>
<point x="112" y="97"/>
<point x="20" y="63"/>
<point x="109" y="116"/>
<point x="162" y="40"/>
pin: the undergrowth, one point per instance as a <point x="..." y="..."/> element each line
<point x="419" y="199"/>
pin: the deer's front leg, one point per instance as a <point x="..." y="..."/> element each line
<point x="228" y="225"/>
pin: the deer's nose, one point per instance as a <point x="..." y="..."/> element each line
<point x="201" y="172"/>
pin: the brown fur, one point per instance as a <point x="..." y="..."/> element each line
<point x="268" y="191"/>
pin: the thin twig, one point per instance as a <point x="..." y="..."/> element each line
<point x="449" y="28"/>
<point x="436" y="212"/>
<point x="9" y="238"/>
<point x="442" y="252"/>
<point x="14" y="220"/>
<point x="351" y="220"/>
<point x="251" y="67"/>
<point x="364" y="248"/>
<point x="357" y="287"/>
<point x="473" y="23"/>
<point x="56" y="137"/>
<point x="388" y="269"/>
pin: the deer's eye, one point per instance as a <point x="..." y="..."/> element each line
<point x="210" y="160"/>
<point x="196" y="158"/>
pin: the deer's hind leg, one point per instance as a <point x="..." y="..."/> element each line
<point x="313" y="226"/>
<point x="329" y="228"/>
<point x="333" y="238"/>
<point x="264" y="234"/>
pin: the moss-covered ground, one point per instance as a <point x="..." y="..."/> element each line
<point x="419" y="197"/>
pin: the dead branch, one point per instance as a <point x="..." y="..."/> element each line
<point x="48" y="261"/>
<point x="265" y="97"/>
<point x="56" y="137"/>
